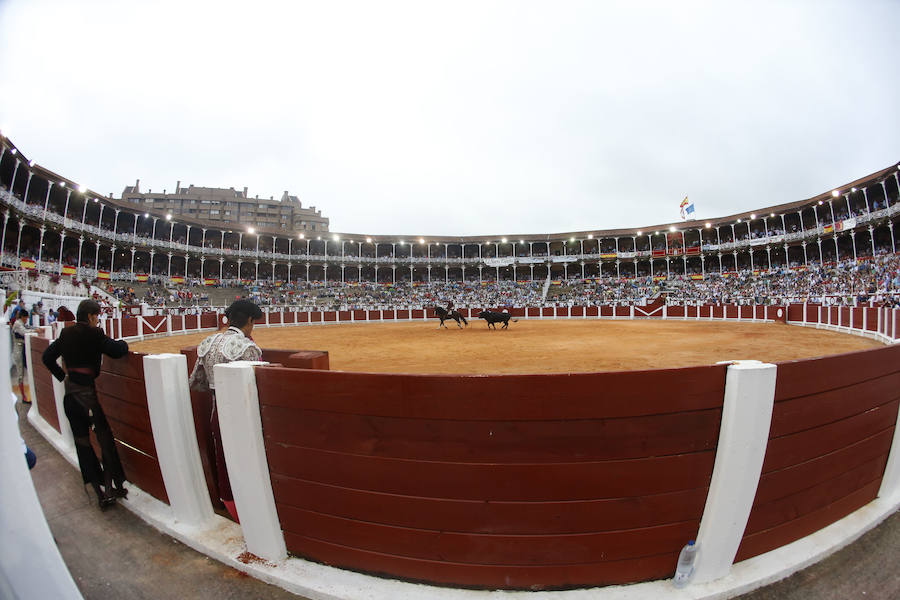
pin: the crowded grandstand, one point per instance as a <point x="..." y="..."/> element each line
<point x="61" y="239"/>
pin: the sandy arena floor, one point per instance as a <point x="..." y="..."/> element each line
<point x="535" y="346"/>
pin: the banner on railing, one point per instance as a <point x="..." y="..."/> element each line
<point x="609" y="255"/>
<point x="27" y="263"/>
<point x="499" y="262"/>
<point x="68" y="270"/>
<point x="141" y="276"/>
<point x="102" y="274"/>
<point x="177" y="279"/>
<point x="210" y="281"/>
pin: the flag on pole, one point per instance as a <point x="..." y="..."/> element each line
<point x="687" y="209"/>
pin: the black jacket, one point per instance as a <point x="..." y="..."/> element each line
<point x="82" y="346"/>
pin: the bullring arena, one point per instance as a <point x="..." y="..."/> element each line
<point x="541" y="346"/>
<point x="737" y="389"/>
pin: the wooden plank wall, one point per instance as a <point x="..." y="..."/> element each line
<point x="121" y="390"/>
<point x="43" y="383"/>
<point x="514" y="482"/>
<point x="831" y="433"/>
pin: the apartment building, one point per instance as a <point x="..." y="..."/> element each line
<point x="221" y="206"/>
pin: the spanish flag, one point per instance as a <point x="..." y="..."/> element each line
<point x="68" y="270"/>
<point x="608" y="255"/>
<point x="696" y="276"/>
<point x="210" y="281"/>
<point x="27" y="263"/>
<point x="828" y="229"/>
<point x="141" y="277"/>
<point x="177" y="279"/>
<point x="102" y="274"/>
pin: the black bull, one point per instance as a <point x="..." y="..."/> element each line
<point x="493" y="318"/>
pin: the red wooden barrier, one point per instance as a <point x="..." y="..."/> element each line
<point x="154" y="324"/>
<point x="387" y="315"/>
<point x="675" y="312"/>
<point x="43" y="383"/>
<point x="547" y="311"/>
<point x="831" y="432"/>
<point x="492" y="481"/>
<point x="275" y="318"/>
<point x="343" y="315"/>
<point x="122" y="393"/>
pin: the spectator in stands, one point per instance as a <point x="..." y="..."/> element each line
<point x="37" y="310"/>
<point x="15" y="311"/>
<point x="19" y="331"/>
<point x="81" y="347"/>
<point x="234" y="343"/>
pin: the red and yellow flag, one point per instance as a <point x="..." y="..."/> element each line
<point x="141" y="276"/>
<point x="27" y="263"/>
<point x="177" y="279"/>
<point x="102" y="274"/>
<point x="68" y="270"/>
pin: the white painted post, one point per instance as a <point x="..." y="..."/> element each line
<point x="890" y="482"/>
<point x="237" y="402"/>
<point x="30" y="563"/>
<point x="743" y="437"/>
<point x="172" y="422"/>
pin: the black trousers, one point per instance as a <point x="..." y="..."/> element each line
<point x="85" y="413"/>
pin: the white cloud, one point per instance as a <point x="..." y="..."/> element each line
<point x="469" y="118"/>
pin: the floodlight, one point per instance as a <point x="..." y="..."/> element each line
<point x="13" y="151"/>
<point x="96" y="200"/>
<point x="503" y="240"/>
<point x="753" y="216"/>
<point x="82" y="188"/>
<point x="301" y="236"/>
<point x="169" y="217"/>
<point x="709" y="225"/>
<point x="421" y="240"/>
<point x="30" y="163"/>
<point x="590" y="236"/>
<point x="852" y="189"/>
<point x="146" y="215"/>
<point x="335" y="237"/>
<point x="249" y="229"/>
<point x="368" y="240"/>
<point x="835" y="193"/>
<point x="772" y="215"/>
<point x="672" y="228"/>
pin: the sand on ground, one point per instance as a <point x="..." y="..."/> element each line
<point x="541" y="346"/>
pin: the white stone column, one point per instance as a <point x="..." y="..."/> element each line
<point x="172" y="421"/>
<point x="30" y="563"/>
<point x="743" y="438"/>
<point x="237" y="402"/>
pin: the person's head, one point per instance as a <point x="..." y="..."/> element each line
<point x="241" y="314"/>
<point x="88" y="312"/>
<point x="23" y="314"/>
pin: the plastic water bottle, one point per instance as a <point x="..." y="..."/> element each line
<point x="685" y="569"/>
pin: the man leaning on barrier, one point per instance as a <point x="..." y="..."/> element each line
<point x="228" y="345"/>
<point x="81" y="347"/>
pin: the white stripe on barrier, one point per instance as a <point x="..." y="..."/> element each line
<point x="743" y="438"/>
<point x="237" y="401"/>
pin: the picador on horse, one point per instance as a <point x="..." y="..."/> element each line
<point x="449" y="313"/>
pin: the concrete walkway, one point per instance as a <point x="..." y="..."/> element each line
<point x="116" y="555"/>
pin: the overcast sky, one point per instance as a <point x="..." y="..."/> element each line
<point x="460" y="118"/>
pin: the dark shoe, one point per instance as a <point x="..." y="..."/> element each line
<point x="119" y="492"/>
<point x="105" y="502"/>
